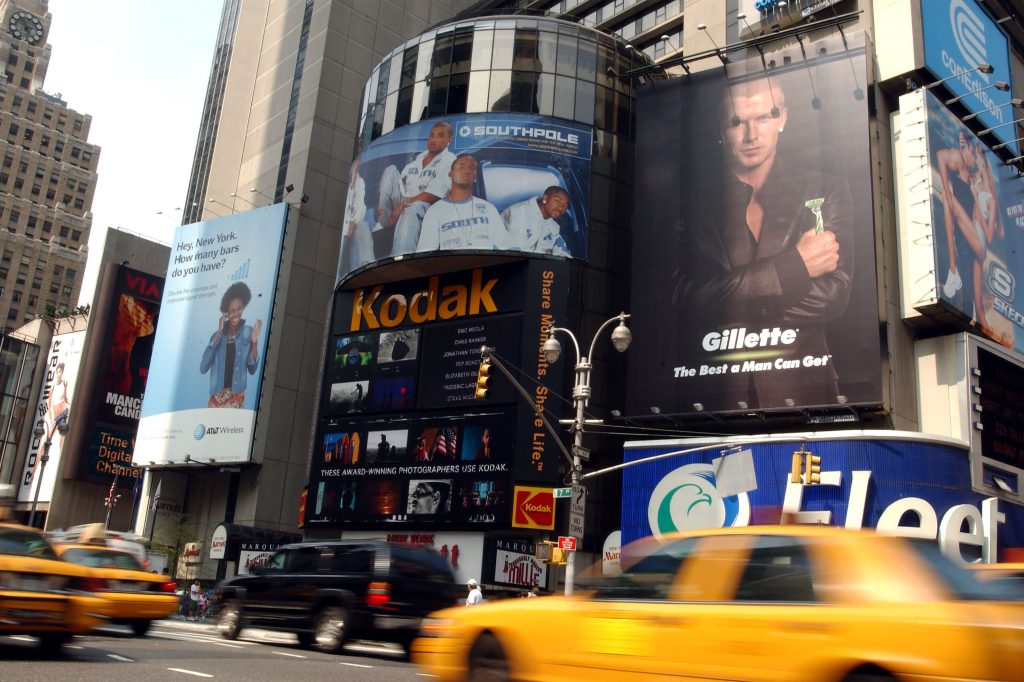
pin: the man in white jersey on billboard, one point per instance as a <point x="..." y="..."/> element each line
<point x="355" y="233"/>
<point x="461" y="220"/>
<point x="533" y="224"/>
<point x="406" y="196"/>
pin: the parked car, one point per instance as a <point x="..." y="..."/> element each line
<point x="746" y="603"/>
<point x="330" y="592"/>
<point x="40" y="595"/>
<point x="132" y="596"/>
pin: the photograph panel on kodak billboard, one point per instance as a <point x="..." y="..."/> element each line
<point x="210" y="347"/>
<point x="53" y="410"/>
<point x="977" y="216"/>
<point x="754" y="259"/>
<point x="521" y="183"/>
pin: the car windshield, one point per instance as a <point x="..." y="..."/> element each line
<point x="24" y="543"/>
<point x="961" y="582"/>
<point x="102" y="558"/>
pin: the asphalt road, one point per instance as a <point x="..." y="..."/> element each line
<point x="180" y="651"/>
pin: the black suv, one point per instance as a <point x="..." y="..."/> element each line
<point x="330" y="592"/>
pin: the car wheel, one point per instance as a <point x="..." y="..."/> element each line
<point x="229" y="624"/>
<point x="141" y="627"/>
<point x="487" y="661"/>
<point x="52" y="644"/>
<point x="330" y="630"/>
<point x="305" y="639"/>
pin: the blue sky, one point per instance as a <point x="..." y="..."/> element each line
<point x="139" y="68"/>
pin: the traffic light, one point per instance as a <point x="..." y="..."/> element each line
<point x="796" y="471"/>
<point x="812" y="469"/>
<point x="548" y="552"/>
<point x="484" y="380"/>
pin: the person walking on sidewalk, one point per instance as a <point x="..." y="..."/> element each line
<point x="193" y="596"/>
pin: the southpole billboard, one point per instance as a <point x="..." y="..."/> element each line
<point x="754" y="257"/>
<point x="523" y="186"/>
<point x="207" y="365"/>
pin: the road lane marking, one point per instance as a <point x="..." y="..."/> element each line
<point x="23" y="638"/>
<point x="284" y="653"/>
<point x="120" y="658"/>
<point x="189" y="672"/>
<point x="355" y="665"/>
<point x="178" y="638"/>
<point x="72" y="646"/>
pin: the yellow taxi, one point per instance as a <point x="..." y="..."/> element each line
<point x="41" y="595"/>
<point x="758" y="603"/>
<point x="131" y="595"/>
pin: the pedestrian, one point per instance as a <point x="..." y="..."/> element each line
<point x="534" y="592"/>
<point x="475" y="595"/>
<point x="203" y="602"/>
<point x="193" y="595"/>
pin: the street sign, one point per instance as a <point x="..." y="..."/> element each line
<point x="563" y="492"/>
<point x="581" y="452"/>
<point x="567" y="543"/>
<point x="577" y="506"/>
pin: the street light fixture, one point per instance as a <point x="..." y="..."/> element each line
<point x="39" y="431"/>
<point x="552" y="349"/>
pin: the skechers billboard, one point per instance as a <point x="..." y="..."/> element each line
<point x="975" y="206"/>
<point x="207" y="366"/>
<point x="472" y="182"/>
<point x="754" y="259"/>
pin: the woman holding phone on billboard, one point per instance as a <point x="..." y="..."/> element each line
<point x="233" y="350"/>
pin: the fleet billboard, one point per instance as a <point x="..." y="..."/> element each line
<point x="402" y="439"/>
<point x="522" y="185"/>
<point x="897" y="483"/>
<point x="958" y="37"/>
<point x="208" y="355"/>
<point x="963" y="223"/>
<point x="52" y="411"/>
<point x="754" y="257"/>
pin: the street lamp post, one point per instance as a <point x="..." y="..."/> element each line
<point x="39" y="431"/>
<point x="552" y="349"/>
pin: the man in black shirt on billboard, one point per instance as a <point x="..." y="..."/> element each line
<point x="766" y="248"/>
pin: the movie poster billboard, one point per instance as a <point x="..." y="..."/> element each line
<point x="521" y="184"/>
<point x="53" y="411"/>
<point x="207" y="365"/>
<point x="975" y="206"/>
<point x="123" y="328"/>
<point x="754" y="261"/>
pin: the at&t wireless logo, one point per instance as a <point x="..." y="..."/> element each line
<point x="968" y="33"/>
<point x="687" y="499"/>
<point x="199" y="432"/>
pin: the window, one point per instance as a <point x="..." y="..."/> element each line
<point x="44" y="141"/>
<point x="71" y="184"/>
<point x="66" y="291"/>
<point x="13" y="130"/>
<point x="3" y="273"/>
<point x="8" y="161"/>
<point x="15" y="296"/>
<point x="75" y="152"/>
<point x="47" y="225"/>
<point x="76" y="235"/>
<point x="16" y="101"/>
<point x="32" y="107"/>
<point x="54" y="287"/>
<point x="64" y="231"/>
<point x="31" y="222"/>
<point x="36" y="189"/>
<point x="77" y="126"/>
<point x="12" y="59"/>
<point x="79" y="203"/>
<point x="29" y="66"/>
<point x="12" y="314"/>
<point x="50" y="194"/>
<point x="81" y="188"/>
<point x="86" y="156"/>
<point x="778" y="570"/>
<point x="351" y="560"/>
<point x="37" y="282"/>
<point x="25" y="83"/>
<point x="58" y="146"/>
<point x="4" y="178"/>
<point x="48" y="114"/>
<point x="20" y="278"/>
<point x="649" y="578"/>
<point x="28" y="134"/>
<point x="7" y="256"/>
<point x="70" y="273"/>
<point x="58" y="270"/>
